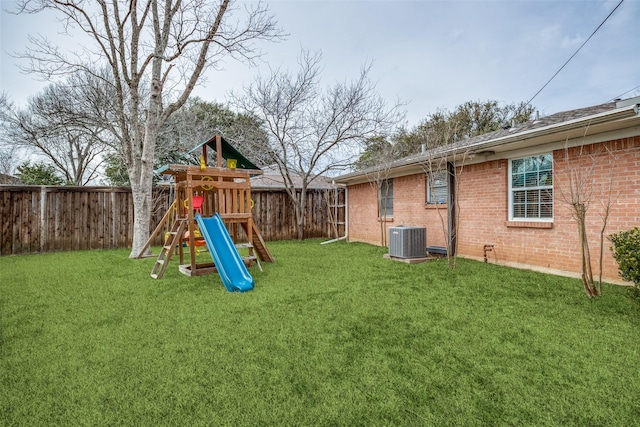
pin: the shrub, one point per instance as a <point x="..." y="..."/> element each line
<point x="626" y="252"/>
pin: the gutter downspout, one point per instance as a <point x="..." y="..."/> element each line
<point x="333" y="240"/>
<point x="346" y="212"/>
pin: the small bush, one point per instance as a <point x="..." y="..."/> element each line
<point x="626" y="251"/>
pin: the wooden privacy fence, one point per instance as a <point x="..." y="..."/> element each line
<point x="37" y="219"/>
<point x="275" y="216"/>
<point x="44" y="219"/>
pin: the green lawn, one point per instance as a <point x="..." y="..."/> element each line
<point x="331" y="335"/>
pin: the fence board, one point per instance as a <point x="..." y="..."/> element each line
<point x="6" y="225"/>
<point x="45" y="219"/>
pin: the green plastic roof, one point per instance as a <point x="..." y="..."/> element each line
<point x="228" y="152"/>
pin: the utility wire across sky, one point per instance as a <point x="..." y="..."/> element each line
<point x="575" y="53"/>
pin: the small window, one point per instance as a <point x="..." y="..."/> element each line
<point x="531" y="188"/>
<point x="437" y="188"/>
<point x="386" y="198"/>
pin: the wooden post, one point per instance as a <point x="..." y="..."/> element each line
<point x="204" y="154"/>
<point x="180" y="198"/>
<point x="191" y="221"/>
<point x="247" y="208"/>
<point x="219" y="151"/>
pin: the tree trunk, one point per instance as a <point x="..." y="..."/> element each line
<point x="142" y="203"/>
<point x="601" y="255"/>
<point x="605" y="219"/>
<point x="141" y="177"/>
<point x="301" y="207"/>
<point x="378" y="189"/>
<point x="587" y="271"/>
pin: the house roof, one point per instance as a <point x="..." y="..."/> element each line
<point x="9" y="180"/>
<point x="558" y="127"/>
<point x="274" y="181"/>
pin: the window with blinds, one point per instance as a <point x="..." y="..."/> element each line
<point x="437" y="188"/>
<point x="531" y="188"/>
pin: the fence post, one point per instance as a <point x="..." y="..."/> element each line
<point x="43" y="220"/>
<point x="114" y="220"/>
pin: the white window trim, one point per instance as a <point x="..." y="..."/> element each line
<point x="510" y="191"/>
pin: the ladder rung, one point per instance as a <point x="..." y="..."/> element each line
<point x="167" y="250"/>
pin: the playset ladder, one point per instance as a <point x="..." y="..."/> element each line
<point x="252" y="256"/>
<point x="158" y="229"/>
<point x="258" y="242"/>
<point x="174" y="239"/>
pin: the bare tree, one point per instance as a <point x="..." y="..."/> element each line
<point x="379" y="160"/>
<point x="608" y="196"/>
<point x="455" y="169"/>
<point x="315" y="131"/>
<point x="59" y="123"/>
<point x="5" y="106"/>
<point x="577" y="186"/>
<point x="156" y="52"/>
<point x="8" y="151"/>
<point x="440" y="157"/>
<point x="450" y="167"/>
<point x="432" y="166"/>
<point x="8" y="164"/>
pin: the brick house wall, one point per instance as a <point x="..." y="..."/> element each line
<point x="409" y="208"/>
<point x="483" y="217"/>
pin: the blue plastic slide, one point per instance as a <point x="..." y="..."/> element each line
<point x="233" y="272"/>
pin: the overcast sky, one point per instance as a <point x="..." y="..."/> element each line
<point x="430" y="54"/>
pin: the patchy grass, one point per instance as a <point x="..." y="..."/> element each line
<point x="332" y="335"/>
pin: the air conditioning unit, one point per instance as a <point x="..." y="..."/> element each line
<point x="407" y="242"/>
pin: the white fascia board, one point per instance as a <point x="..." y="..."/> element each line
<point x="560" y="145"/>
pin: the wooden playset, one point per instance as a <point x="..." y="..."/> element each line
<point x="224" y="189"/>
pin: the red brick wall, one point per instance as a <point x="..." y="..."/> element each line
<point x="483" y="216"/>
<point x="409" y="208"/>
<point x="363" y="214"/>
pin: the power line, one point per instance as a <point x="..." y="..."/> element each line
<point x="624" y="93"/>
<point x="575" y="53"/>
